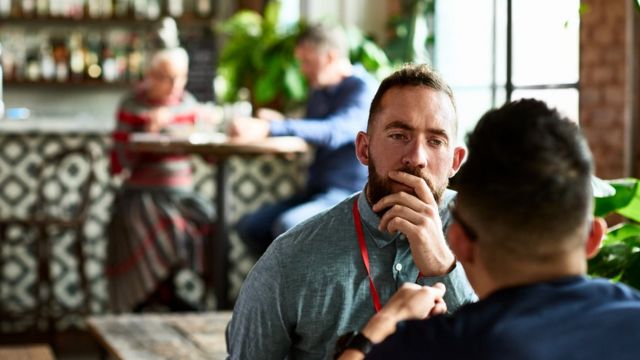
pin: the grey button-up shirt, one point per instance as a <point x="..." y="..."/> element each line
<point x="311" y="285"/>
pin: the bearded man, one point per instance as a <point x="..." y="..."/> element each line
<point x="331" y="273"/>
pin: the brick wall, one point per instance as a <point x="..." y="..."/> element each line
<point x="606" y="84"/>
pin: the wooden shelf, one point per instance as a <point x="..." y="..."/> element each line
<point x="128" y="21"/>
<point x="8" y="84"/>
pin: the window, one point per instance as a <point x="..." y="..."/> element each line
<point x="492" y="51"/>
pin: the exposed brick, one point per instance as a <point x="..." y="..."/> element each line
<point x="603" y="75"/>
<point x="603" y="82"/>
<point x="615" y="56"/>
<point x="604" y="35"/>
<point x="614" y="95"/>
<point x="590" y="56"/>
<point x="590" y="96"/>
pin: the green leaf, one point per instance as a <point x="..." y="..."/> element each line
<point x="631" y="275"/>
<point x="374" y="58"/>
<point x="626" y="191"/>
<point x="632" y="209"/>
<point x="621" y="233"/>
<point x="271" y="15"/>
<point x="245" y="22"/>
<point x="294" y="83"/>
<point x="610" y="261"/>
<point x="267" y="84"/>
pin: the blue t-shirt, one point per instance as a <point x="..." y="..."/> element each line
<point x="572" y="318"/>
<point x="334" y="115"/>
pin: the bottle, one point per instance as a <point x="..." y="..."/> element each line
<point x="203" y="7"/>
<point x="5" y="8"/>
<point x="175" y="8"/>
<point x="76" y="56"/>
<point x="93" y="60"/>
<point x="61" y="59"/>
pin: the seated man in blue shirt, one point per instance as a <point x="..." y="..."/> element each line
<point x="523" y="229"/>
<point x="331" y="273"/>
<point x="336" y="110"/>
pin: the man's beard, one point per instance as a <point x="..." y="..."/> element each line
<point x="380" y="186"/>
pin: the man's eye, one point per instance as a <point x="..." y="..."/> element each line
<point x="436" y="142"/>
<point x="397" y="136"/>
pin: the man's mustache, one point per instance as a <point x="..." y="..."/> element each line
<point x="416" y="171"/>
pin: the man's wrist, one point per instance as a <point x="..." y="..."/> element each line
<point x="353" y="340"/>
<point x="379" y="327"/>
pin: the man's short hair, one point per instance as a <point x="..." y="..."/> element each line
<point x="526" y="184"/>
<point x="411" y="75"/>
<point x="325" y="37"/>
<point x="175" y="55"/>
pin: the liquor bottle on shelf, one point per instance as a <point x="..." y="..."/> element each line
<point x="76" y="56"/>
<point x="136" y="58"/>
<point x="42" y="8"/>
<point x="32" y="70"/>
<point x="5" y="8"/>
<point x="153" y="9"/>
<point x="61" y="58"/>
<point x="121" y="8"/>
<point x="47" y="63"/>
<point x="175" y="8"/>
<point x="28" y="8"/>
<point x="118" y="40"/>
<point x="109" y="68"/>
<point x="92" y="59"/>
<point x="203" y="8"/>
<point x="140" y="9"/>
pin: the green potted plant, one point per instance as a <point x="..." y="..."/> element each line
<point x="258" y="54"/>
<point x="619" y="257"/>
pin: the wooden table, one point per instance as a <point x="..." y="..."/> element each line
<point x="26" y="352"/>
<point x="162" y="336"/>
<point x="217" y="146"/>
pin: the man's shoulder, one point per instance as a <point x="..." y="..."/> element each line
<point x="360" y="80"/>
<point x="325" y="228"/>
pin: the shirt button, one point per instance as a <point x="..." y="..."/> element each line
<point x="398" y="267"/>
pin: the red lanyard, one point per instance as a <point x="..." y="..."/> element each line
<point x="365" y="254"/>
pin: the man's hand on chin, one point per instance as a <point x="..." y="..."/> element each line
<point x="417" y="217"/>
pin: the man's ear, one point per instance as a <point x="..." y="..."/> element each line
<point x="460" y="244"/>
<point x="596" y="235"/>
<point x="362" y="148"/>
<point x="458" y="156"/>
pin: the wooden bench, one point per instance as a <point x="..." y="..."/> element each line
<point x="26" y="352"/>
<point x="162" y="336"/>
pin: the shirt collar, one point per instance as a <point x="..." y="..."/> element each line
<point x="371" y="220"/>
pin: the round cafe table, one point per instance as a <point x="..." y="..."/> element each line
<point x="217" y="145"/>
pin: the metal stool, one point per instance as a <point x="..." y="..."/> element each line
<point x="61" y="205"/>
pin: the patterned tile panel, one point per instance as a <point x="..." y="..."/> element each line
<point x="254" y="181"/>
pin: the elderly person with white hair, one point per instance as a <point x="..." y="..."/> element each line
<point x="158" y="224"/>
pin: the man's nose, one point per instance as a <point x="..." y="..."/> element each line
<point x="416" y="155"/>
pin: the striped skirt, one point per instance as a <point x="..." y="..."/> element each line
<point x="152" y="234"/>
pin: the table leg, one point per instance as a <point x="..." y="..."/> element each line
<point x="221" y="238"/>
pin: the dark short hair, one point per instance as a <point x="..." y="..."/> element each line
<point x="410" y="75"/>
<point x="324" y="37"/>
<point x="527" y="179"/>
